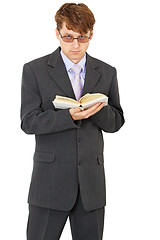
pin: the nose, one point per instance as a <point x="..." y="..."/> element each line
<point x="75" y="43"/>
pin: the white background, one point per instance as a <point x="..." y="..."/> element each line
<point x="126" y="35"/>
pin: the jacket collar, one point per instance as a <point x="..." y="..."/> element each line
<point x="60" y="76"/>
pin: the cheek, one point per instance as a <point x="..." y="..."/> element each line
<point x="85" y="47"/>
<point x="64" y="47"/>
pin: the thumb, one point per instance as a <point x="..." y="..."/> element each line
<point x="77" y="110"/>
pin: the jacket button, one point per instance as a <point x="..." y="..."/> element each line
<point x="79" y="140"/>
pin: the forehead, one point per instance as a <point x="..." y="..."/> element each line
<point x="65" y="30"/>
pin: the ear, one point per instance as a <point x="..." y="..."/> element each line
<point x="57" y="34"/>
<point x="91" y="35"/>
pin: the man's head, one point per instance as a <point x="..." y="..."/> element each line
<point x="74" y="21"/>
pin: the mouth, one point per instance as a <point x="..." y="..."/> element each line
<point x="75" y="52"/>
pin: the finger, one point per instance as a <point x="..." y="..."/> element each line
<point x="75" y="110"/>
<point x="91" y="109"/>
<point x="88" y="112"/>
<point x="95" y="109"/>
<point x="99" y="107"/>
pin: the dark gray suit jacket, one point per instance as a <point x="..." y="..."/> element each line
<point x="67" y="152"/>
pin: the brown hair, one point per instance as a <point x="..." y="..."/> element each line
<point x="78" y="17"/>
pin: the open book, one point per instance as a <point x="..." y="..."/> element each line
<point x="88" y="100"/>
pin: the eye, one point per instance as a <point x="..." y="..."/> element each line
<point x="81" y="36"/>
<point x="68" y="36"/>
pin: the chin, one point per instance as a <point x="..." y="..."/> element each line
<point x="75" y="60"/>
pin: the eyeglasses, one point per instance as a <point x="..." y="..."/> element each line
<point x="69" y="38"/>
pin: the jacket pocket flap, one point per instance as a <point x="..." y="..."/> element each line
<point x="100" y="159"/>
<point x="44" y="156"/>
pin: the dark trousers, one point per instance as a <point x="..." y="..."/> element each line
<point x="48" y="224"/>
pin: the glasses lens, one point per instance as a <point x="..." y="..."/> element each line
<point x="83" y="39"/>
<point x="68" y="38"/>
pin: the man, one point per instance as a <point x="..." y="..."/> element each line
<point x="68" y="174"/>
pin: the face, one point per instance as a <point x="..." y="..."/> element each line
<point x="75" y="51"/>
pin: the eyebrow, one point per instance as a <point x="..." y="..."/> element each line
<point x="66" y="33"/>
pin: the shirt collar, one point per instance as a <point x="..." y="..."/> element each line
<point x="68" y="63"/>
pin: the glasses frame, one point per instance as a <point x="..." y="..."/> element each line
<point x="74" y="38"/>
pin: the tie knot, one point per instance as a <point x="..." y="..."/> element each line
<point x="76" y="69"/>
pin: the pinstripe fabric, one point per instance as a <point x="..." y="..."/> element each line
<point x="76" y="81"/>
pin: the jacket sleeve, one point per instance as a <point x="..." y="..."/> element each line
<point x="34" y="119"/>
<point x="110" y="118"/>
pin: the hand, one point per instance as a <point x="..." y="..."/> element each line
<point x="78" y="114"/>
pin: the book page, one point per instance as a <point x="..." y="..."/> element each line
<point x="89" y="100"/>
<point x="65" y="102"/>
<point x="91" y="96"/>
<point x="65" y="99"/>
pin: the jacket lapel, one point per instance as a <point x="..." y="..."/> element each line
<point x="59" y="73"/>
<point x="92" y="75"/>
